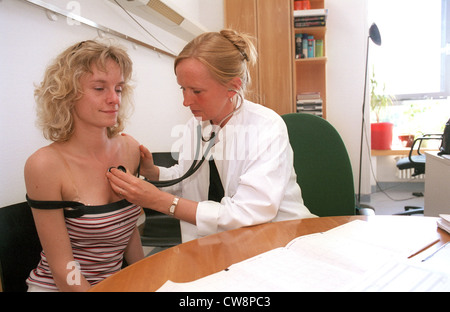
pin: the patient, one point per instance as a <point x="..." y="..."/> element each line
<point x="86" y="230"/>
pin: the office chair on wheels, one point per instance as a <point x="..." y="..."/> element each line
<point x="416" y="162"/>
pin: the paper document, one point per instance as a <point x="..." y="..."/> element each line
<point x="335" y="260"/>
<point x="403" y="276"/>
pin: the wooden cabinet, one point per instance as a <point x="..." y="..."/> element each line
<point x="270" y="22"/>
<point x="278" y="77"/>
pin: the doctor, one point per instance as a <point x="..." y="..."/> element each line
<point x="250" y="148"/>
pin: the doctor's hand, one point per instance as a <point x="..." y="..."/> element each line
<point x="133" y="189"/>
<point x="147" y="166"/>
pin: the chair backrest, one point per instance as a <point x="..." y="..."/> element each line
<point x="161" y="230"/>
<point x="19" y="246"/>
<point x="165" y="159"/>
<point x="322" y="164"/>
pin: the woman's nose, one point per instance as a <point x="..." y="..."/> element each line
<point x="187" y="98"/>
<point x="113" y="97"/>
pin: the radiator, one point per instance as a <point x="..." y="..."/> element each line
<point x="407" y="174"/>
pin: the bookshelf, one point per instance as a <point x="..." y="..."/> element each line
<point x="310" y="72"/>
<point x="278" y="75"/>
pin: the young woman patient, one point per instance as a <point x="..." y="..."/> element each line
<point x="86" y="230"/>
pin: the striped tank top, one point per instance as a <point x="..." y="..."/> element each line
<point x="98" y="235"/>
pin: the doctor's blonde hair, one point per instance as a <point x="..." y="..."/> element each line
<point x="227" y="54"/>
<point x="60" y="89"/>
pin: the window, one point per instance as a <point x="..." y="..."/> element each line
<point x="412" y="61"/>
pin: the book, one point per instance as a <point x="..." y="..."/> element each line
<point x="305" y="46"/>
<point x="315" y="113"/>
<point x="309" y="24"/>
<point x="309" y="107"/>
<point x="309" y="21"/>
<point x="311" y="46"/>
<point x="319" y="48"/>
<point x="309" y="101"/>
<point x="313" y="12"/>
<point x="341" y="259"/>
<point x="308" y="95"/>
<point x="309" y="18"/>
<point x="444" y="222"/>
<point x="299" y="46"/>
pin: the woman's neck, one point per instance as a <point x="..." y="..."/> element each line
<point x="90" y="144"/>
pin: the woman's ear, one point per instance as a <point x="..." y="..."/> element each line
<point x="235" y="85"/>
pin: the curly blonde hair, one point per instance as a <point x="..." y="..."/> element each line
<point x="60" y="89"/>
<point x="226" y="54"/>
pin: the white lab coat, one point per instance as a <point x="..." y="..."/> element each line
<point x="255" y="163"/>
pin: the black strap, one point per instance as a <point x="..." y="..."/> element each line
<point x="77" y="209"/>
<point x="50" y="204"/>
<point x="215" y="191"/>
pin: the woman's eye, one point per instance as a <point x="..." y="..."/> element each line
<point x="191" y="90"/>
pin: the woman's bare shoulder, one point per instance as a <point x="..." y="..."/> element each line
<point x="43" y="173"/>
<point x="131" y="149"/>
<point x="132" y="142"/>
<point x="43" y="159"/>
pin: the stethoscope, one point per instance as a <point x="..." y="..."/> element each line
<point x="196" y="164"/>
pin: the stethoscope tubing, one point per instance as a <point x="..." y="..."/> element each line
<point x="196" y="163"/>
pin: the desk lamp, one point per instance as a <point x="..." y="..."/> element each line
<point x="374" y="35"/>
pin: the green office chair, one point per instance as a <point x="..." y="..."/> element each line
<point x="323" y="168"/>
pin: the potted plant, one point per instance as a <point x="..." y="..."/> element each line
<point x="381" y="132"/>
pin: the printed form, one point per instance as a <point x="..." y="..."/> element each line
<point x="357" y="256"/>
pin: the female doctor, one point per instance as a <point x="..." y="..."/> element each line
<point x="248" y="143"/>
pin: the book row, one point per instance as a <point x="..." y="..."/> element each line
<point x="310" y="103"/>
<point x="306" y="46"/>
<point x="314" y="21"/>
<point x="310" y="18"/>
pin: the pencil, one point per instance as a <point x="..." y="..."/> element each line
<point x="435" y="252"/>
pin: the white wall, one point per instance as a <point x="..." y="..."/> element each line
<point x="30" y="40"/>
<point x="346" y="49"/>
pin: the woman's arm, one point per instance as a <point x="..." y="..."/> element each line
<point x="55" y="242"/>
<point x="43" y="182"/>
<point x="134" y="251"/>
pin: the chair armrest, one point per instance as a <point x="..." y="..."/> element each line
<point x="420" y="140"/>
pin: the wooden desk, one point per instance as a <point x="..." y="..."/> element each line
<point x="211" y="254"/>
<point x="403" y="151"/>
